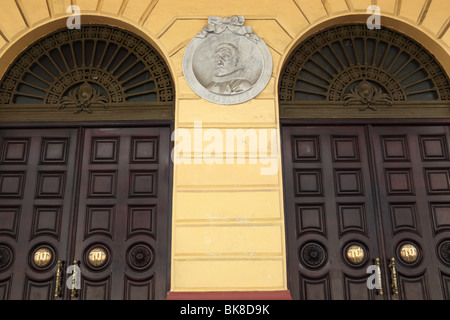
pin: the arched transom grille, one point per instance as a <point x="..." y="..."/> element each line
<point x="98" y="64"/>
<point x="354" y="63"/>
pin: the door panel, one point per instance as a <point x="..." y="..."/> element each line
<point x="122" y="213"/>
<point x="36" y="190"/>
<point x="334" y="196"/>
<point x="329" y="211"/>
<point x="413" y="166"/>
<point x="64" y="192"/>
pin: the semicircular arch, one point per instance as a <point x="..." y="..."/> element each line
<point x="350" y="64"/>
<point x="95" y="66"/>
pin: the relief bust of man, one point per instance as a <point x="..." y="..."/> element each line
<point x="227" y="76"/>
<point x="227" y="63"/>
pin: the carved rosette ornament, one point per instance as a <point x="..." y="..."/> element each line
<point x="313" y="255"/>
<point x="140" y="257"/>
<point x="227" y="63"/>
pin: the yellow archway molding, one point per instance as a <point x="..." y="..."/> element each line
<point x="24" y="21"/>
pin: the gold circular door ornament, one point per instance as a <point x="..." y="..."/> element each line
<point x="409" y="253"/>
<point x="355" y="254"/>
<point x="42" y="257"/>
<point x="97" y="257"/>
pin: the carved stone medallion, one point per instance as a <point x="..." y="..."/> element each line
<point x="226" y="63"/>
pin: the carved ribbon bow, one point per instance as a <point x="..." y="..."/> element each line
<point x="235" y="24"/>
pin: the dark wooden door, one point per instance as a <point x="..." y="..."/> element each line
<point x="329" y="212"/>
<point x="37" y="170"/>
<point x="413" y="170"/>
<point x="122" y="213"/>
<point x="387" y="188"/>
<point x="98" y="196"/>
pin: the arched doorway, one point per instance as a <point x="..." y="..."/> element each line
<point x="85" y="170"/>
<point x="364" y="118"/>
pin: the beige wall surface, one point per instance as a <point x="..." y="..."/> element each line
<point x="228" y="219"/>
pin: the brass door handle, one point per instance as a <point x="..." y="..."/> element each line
<point x="380" y="285"/>
<point x="58" y="286"/>
<point x="394" y="285"/>
<point x="73" y="293"/>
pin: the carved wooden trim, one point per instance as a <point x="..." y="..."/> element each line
<point x="400" y="110"/>
<point x="114" y="112"/>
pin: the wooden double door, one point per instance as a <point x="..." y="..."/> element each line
<point x="94" y="201"/>
<point x="362" y="196"/>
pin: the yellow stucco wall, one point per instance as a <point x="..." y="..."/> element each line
<point x="228" y="220"/>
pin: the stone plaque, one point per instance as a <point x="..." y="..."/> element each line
<point x="226" y="63"/>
